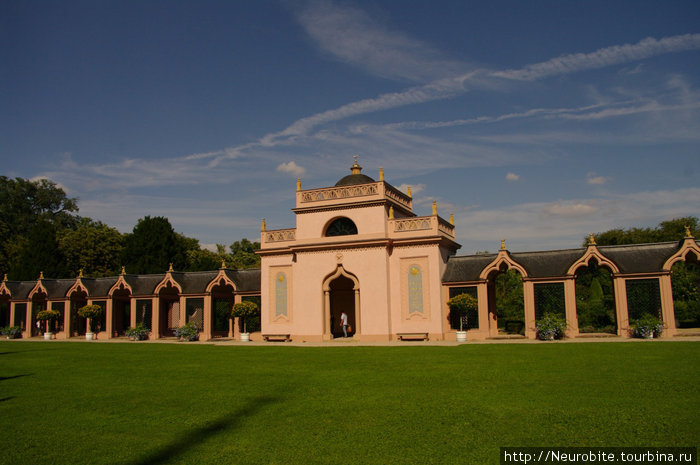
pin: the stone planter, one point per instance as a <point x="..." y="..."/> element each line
<point x="461" y="336"/>
<point x="89" y="336"/>
<point x="48" y="336"/>
<point x="245" y="337"/>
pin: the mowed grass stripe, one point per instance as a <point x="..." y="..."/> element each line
<point x="176" y="403"/>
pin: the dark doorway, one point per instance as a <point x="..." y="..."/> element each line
<point x="342" y="295"/>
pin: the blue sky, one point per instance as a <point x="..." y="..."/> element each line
<point x="536" y="122"/>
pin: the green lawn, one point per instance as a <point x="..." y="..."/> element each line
<point x="140" y="403"/>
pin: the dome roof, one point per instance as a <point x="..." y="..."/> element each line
<point x="355" y="178"/>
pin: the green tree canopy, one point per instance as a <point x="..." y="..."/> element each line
<point x="23" y="204"/>
<point x="672" y="230"/>
<point x="40" y="252"/>
<point x="153" y="245"/>
<point x="92" y="247"/>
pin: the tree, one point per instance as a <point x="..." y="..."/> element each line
<point x="153" y="245"/>
<point x="40" y="252"/>
<point x="23" y="203"/>
<point x="672" y="230"/>
<point x="243" y="254"/>
<point x="92" y="247"/>
<point x="461" y="305"/>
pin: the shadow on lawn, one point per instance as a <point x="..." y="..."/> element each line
<point x="184" y="443"/>
<point x="5" y="378"/>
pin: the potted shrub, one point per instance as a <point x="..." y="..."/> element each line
<point x="188" y="332"/>
<point x="138" y="332"/>
<point x="11" y="332"/>
<point x="242" y="310"/>
<point x="48" y="316"/>
<point x="460" y="305"/>
<point x="647" y="327"/>
<point x="90" y="312"/>
<point x="550" y="327"/>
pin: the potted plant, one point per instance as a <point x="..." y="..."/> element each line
<point x="647" y="327"/>
<point x="242" y="310"/>
<point x="188" y="332"/>
<point x="90" y="312"/>
<point x="550" y="327"/>
<point x="460" y="305"/>
<point x="138" y="332"/>
<point x="48" y="316"/>
<point x="11" y="332"/>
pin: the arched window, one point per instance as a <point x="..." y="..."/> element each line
<point x="341" y="227"/>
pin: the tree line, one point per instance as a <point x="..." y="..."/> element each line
<point x="40" y="230"/>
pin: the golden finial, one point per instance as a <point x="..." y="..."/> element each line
<point x="80" y="273"/>
<point x="503" y="244"/>
<point x="409" y="191"/>
<point x="298" y="184"/>
<point x="591" y="239"/>
<point x="123" y="270"/>
<point x="5" y="278"/>
<point x="687" y="231"/>
<point x="381" y="173"/>
<point x="452" y="219"/>
<point x="263" y="226"/>
<point x="434" y="208"/>
<point x="391" y="212"/>
<point x="170" y="270"/>
<point x="223" y="263"/>
<point x="356" y="169"/>
<point x="41" y="275"/>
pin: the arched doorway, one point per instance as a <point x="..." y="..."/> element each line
<point x="506" y="302"/>
<point x="169" y="311"/>
<point x="342" y="294"/>
<point x="78" y="325"/>
<point x="685" y="282"/>
<point x="121" y="312"/>
<point x="595" y="299"/>
<point x="222" y="299"/>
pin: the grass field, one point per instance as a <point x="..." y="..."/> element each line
<point x="140" y="403"/>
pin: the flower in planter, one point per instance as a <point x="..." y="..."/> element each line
<point x="188" y="332"/>
<point x="91" y="312"/>
<point x="550" y="327"/>
<point x="647" y="327"/>
<point x="138" y="333"/>
<point x="11" y="332"/>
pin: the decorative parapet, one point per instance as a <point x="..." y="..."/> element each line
<point x="333" y="193"/>
<point x="424" y="223"/>
<point x="378" y="190"/>
<point x="280" y="235"/>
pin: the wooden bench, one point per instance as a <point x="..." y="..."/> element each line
<point x="412" y="336"/>
<point x="277" y="337"/>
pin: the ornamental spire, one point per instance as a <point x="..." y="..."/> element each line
<point x="123" y="270"/>
<point x="434" y="207"/>
<point x="688" y="234"/>
<point x="381" y="173"/>
<point x="170" y="270"/>
<point x="263" y="226"/>
<point x="298" y="184"/>
<point x="41" y="275"/>
<point x="355" y="168"/>
<point x="591" y="239"/>
<point x="503" y="244"/>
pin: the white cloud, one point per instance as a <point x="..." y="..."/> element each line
<point x="292" y="168"/>
<point x="512" y="177"/>
<point x="352" y="36"/>
<point x="570" y="209"/>
<point x="617" y="54"/>
<point x="415" y="188"/>
<point x="596" y="180"/>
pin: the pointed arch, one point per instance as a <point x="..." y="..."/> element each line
<point x="221" y="279"/>
<point x="78" y="286"/>
<point x="592" y="252"/>
<point x="168" y="281"/>
<point x="4" y="290"/>
<point x="120" y="285"/>
<point x="38" y="288"/>
<point x="689" y="246"/>
<point x="503" y="259"/>
<point x="340" y="271"/>
<point x="329" y="295"/>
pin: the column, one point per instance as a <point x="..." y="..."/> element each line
<point x="529" y="298"/>
<point x="12" y="313"/>
<point x="155" y="317"/>
<point x="132" y="313"/>
<point x="183" y="311"/>
<point x="482" y="297"/>
<point x="327" y="336"/>
<point x="667" y="310"/>
<point x="29" y="324"/>
<point x="357" y="314"/>
<point x="570" y="307"/>
<point x="206" y="331"/>
<point x="621" y="306"/>
<point x="109" y="317"/>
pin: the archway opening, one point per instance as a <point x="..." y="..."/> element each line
<point x="169" y="311"/>
<point x="508" y="304"/>
<point x="121" y="312"/>
<point x="222" y="299"/>
<point x="78" y="325"/>
<point x="685" y="281"/>
<point x="5" y="310"/>
<point x="595" y="299"/>
<point x="39" y="303"/>
<point x="342" y="299"/>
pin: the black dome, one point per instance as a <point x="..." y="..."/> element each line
<point x="352" y="179"/>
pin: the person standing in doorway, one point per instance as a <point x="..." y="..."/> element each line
<point x="344" y="323"/>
